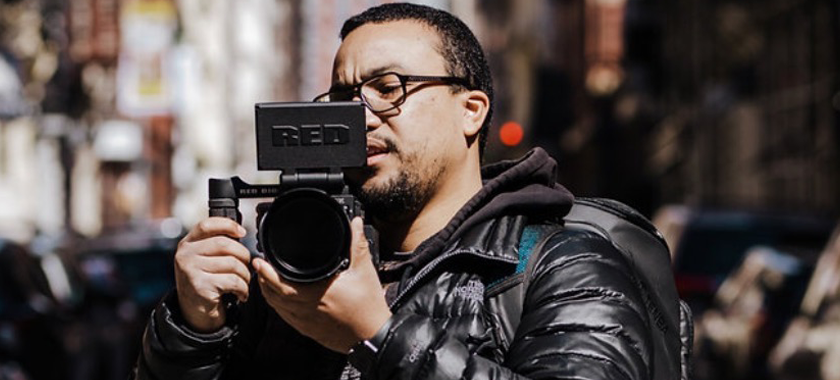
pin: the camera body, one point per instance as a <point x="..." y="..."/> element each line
<point x="305" y="231"/>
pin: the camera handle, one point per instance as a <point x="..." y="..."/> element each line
<point x="224" y="194"/>
<point x="223" y="201"/>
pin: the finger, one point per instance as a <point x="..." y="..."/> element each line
<point x="210" y="287"/>
<point x="266" y="273"/>
<point x="360" y="250"/>
<point x="215" y="226"/>
<point x="226" y="265"/>
<point x="280" y="304"/>
<point x="290" y="291"/>
<point x="222" y="246"/>
<point x="285" y="304"/>
<point x="231" y="283"/>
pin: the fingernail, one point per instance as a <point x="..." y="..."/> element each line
<point x="242" y="231"/>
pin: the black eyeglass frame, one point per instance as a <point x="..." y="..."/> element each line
<point x="356" y="89"/>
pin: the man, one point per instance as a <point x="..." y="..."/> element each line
<point x="448" y="231"/>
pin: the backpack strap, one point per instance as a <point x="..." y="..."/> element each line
<point x="510" y="290"/>
<point x="537" y="237"/>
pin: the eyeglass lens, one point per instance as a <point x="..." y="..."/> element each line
<point x="380" y="93"/>
<point x="383" y="92"/>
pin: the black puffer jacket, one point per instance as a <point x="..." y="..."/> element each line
<point x="582" y="316"/>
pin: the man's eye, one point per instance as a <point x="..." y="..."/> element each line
<point x="386" y="88"/>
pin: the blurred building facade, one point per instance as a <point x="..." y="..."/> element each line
<point x="710" y="104"/>
<point x="750" y="92"/>
<point x="116" y="112"/>
<point x="561" y="71"/>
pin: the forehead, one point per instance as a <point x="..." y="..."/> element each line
<point x="405" y="46"/>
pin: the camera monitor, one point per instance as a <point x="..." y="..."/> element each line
<point x="293" y="136"/>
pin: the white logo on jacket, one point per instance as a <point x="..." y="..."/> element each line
<point x="473" y="290"/>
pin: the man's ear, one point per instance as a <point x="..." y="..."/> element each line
<point x="476" y="105"/>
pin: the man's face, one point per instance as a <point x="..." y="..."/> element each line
<point x="411" y="149"/>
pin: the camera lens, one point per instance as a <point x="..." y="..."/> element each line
<point x="306" y="235"/>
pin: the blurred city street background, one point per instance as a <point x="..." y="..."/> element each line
<point x="717" y="119"/>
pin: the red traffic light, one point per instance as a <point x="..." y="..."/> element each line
<point x="511" y="133"/>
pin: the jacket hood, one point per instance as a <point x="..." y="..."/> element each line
<point x="526" y="187"/>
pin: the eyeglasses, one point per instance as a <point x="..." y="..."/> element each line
<point x="383" y="92"/>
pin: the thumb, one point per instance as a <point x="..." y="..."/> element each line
<point x="359" y="249"/>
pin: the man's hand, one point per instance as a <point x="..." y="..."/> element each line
<point x="336" y="312"/>
<point x="208" y="264"/>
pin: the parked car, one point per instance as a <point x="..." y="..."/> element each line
<point x="75" y="308"/>
<point x="30" y="319"/>
<point x="744" y="274"/>
<point x="124" y="274"/>
<point x="709" y="244"/>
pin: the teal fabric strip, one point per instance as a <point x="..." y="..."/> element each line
<point x="530" y="237"/>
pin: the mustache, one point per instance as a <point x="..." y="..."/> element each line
<point x="390" y="145"/>
<point x="361" y="174"/>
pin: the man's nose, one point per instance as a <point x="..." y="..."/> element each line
<point x="372" y="120"/>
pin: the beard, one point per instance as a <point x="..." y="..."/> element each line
<point x="399" y="197"/>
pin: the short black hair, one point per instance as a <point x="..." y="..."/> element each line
<point x="459" y="47"/>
